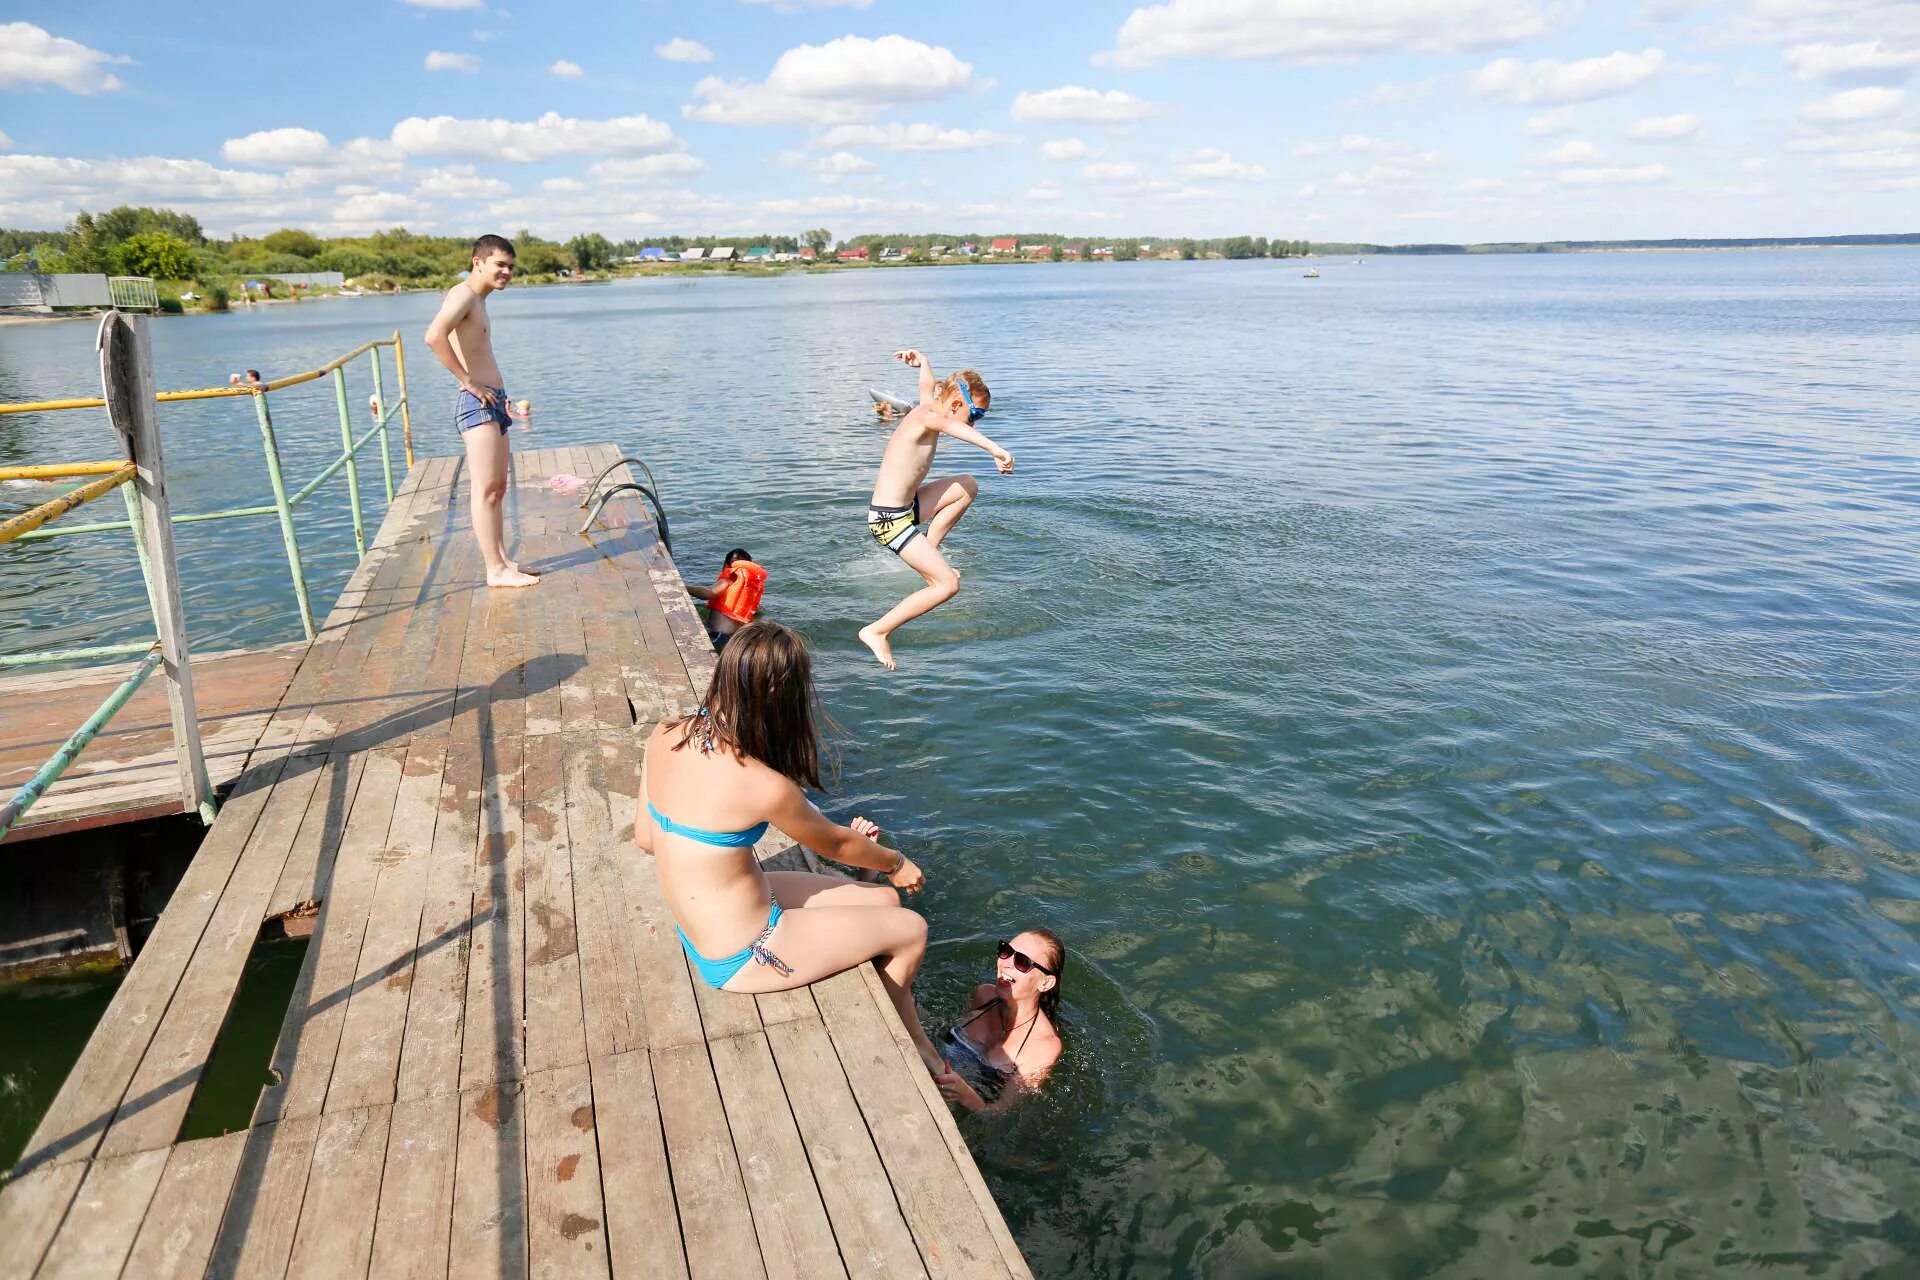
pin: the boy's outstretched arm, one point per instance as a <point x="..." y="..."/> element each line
<point x="913" y="358"/>
<point x="961" y="431"/>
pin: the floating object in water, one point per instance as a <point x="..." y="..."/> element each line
<point x="1311" y="273"/>
<point x="893" y="403"/>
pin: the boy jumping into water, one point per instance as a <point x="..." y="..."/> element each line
<point x="462" y="337"/>
<point x="903" y="496"/>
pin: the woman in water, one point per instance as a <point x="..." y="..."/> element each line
<point x="710" y="785"/>
<point x="1008" y="1042"/>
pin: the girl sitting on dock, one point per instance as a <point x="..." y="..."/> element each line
<point x="1007" y="1041"/>
<point x="710" y="785"/>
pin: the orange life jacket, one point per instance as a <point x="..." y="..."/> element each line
<point x="737" y="591"/>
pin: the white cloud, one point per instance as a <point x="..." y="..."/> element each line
<point x="679" y="49"/>
<point x="896" y="136"/>
<point x="564" y="186"/>
<point x="276" y="148"/>
<point x="1061" y="149"/>
<point x="1681" y="128"/>
<point x="1388" y="95"/>
<point x="1484" y="186"/>
<point x="31" y="55"/>
<point x="1855" y="104"/>
<point x="668" y="164"/>
<point x="459" y="182"/>
<point x="446" y="4"/>
<point x="1087" y="106"/>
<point x="1613" y="177"/>
<point x="6" y="143"/>
<point x="1868" y="61"/>
<point x="1045" y="191"/>
<point x="524" y="141"/>
<point x="842" y="163"/>
<point x="841" y="82"/>
<point x="1549" y="80"/>
<point x="1352" y="144"/>
<point x="464" y="63"/>
<point x="1875" y="161"/>
<point x="1549" y="124"/>
<point x="1310" y="31"/>
<point x="1110" y="171"/>
<point x="142" y="179"/>
<point x="566" y="70"/>
<point x="1211" y="162"/>
<point x="844" y="205"/>
<point x="1573" y="152"/>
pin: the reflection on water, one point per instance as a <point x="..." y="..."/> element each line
<point x="1459" y="713"/>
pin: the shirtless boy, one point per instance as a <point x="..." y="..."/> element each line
<point x="903" y="496"/>
<point x="462" y="338"/>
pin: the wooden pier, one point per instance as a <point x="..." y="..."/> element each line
<point x="495" y="1061"/>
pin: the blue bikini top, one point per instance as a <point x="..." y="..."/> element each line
<point x="718" y="839"/>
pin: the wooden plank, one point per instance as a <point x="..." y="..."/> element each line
<point x="493" y="1048"/>
<point x="310" y="858"/>
<point x="335" y="1235"/>
<point x="489" y="1185"/>
<point x="256" y="1234"/>
<point x="566" y="1223"/>
<point x="163" y="1087"/>
<point x="942" y="1115"/>
<point x="366" y="1068"/>
<point x="715" y="1221"/>
<point x="673" y="1017"/>
<point x="104" y="1217"/>
<point x="176" y="1240"/>
<point x="309" y="1042"/>
<point x="874" y="1239"/>
<point x="953" y="1237"/>
<point x="555" y="1017"/>
<point x="430" y="1052"/>
<point x="415" y="1214"/>
<point x="788" y="1216"/>
<point x="32" y="1207"/>
<point x="610" y="979"/>
<point x="96" y="1087"/>
<point x="544" y="667"/>
<point x="643" y="1229"/>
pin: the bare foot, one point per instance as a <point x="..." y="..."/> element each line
<point x="878" y="643"/>
<point x="517" y="567"/>
<point x="510" y="577"/>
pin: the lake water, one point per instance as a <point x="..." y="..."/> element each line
<point x="1460" y="713"/>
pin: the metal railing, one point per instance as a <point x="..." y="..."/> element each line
<point x="126" y="378"/>
<point x="284" y="503"/>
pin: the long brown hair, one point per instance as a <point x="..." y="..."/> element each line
<point x="1050" y="998"/>
<point x="761" y="704"/>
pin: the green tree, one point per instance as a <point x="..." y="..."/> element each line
<point x="157" y="254"/>
<point x="591" y="252"/>
<point x="122" y="222"/>
<point x="1055" y="253"/>
<point x="347" y="261"/>
<point x="1237" y="247"/>
<point x="301" y="244"/>
<point x="818" y="239"/>
<point x="1126" y="250"/>
<point x="1189" y="251"/>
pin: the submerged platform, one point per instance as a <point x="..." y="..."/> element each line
<point x="495" y="1060"/>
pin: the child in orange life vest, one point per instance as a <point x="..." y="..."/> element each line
<point x="734" y="597"/>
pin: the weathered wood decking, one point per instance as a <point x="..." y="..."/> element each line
<point x="128" y="772"/>
<point x="496" y="1061"/>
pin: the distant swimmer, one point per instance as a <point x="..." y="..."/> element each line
<point x="887" y="408"/>
<point x="903" y="497"/>
<point x="733" y="598"/>
<point x="1008" y="1041"/>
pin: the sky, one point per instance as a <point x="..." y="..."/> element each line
<point x="1371" y="120"/>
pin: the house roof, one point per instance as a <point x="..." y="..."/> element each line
<point x="688" y="255"/>
<point x="1006" y="242"/>
<point x="722" y="253"/>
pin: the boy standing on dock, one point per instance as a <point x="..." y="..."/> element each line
<point x="903" y="496"/>
<point x="462" y="338"/>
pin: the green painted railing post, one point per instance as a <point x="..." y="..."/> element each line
<point x="380" y="398"/>
<point x="285" y="511"/>
<point x="353" y="471"/>
<point x="140" y="544"/>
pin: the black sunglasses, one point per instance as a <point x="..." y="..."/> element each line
<point x="1022" y="961"/>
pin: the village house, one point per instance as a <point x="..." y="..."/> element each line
<point x="1004" y="245"/>
<point x="694" y="254"/>
<point x="1037" y="250"/>
<point x="806" y="253"/>
<point x="722" y="254"/>
<point x="854" y="253"/>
